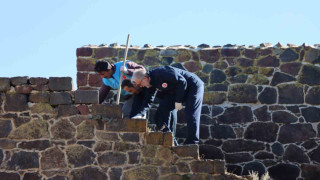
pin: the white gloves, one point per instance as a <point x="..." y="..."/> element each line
<point x="124" y="69"/>
<point x="139" y="117"/>
<point x="178" y="106"/>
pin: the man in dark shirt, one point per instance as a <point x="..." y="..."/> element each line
<point x="178" y="86"/>
<point x="138" y="111"/>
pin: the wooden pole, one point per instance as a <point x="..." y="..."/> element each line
<point x="121" y="74"/>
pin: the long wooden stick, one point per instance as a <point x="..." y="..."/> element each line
<point x="121" y="74"/>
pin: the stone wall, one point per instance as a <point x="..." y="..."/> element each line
<point x="261" y="104"/>
<point x="49" y="132"/>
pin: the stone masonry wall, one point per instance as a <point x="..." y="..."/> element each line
<point x="261" y="104"/>
<point x="49" y="132"/>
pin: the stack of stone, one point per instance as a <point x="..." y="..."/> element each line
<point x="48" y="131"/>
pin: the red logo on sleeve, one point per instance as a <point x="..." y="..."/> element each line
<point x="124" y="77"/>
<point x="164" y="85"/>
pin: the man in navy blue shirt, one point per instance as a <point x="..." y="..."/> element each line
<point x="178" y="86"/>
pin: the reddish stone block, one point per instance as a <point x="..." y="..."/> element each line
<point x="226" y="52"/>
<point x="95" y="80"/>
<point x="60" y="83"/>
<point x="39" y="97"/>
<point x="86" y="97"/>
<point x="24" y="89"/>
<point x="193" y="66"/>
<point x="269" y="61"/>
<point x="38" y="81"/>
<point x="82" y="79"/>
<point x="195" y="56"/>
<point x="85" y="64"/>
<point x="159" y="138"/>
<point x="40" y="87"/>
<point x="83" y="109"/>
<point x="105" y="52"/>
<point x="85" y="51"/>
<point x="265" y="52"/>
<point x="209" y="56"/>
<point x="250" y="53"/>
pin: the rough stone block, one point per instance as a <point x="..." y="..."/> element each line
<point x="42" y="108"/>
<point x="83" y="109"/>
<point x="82" y="79"/>
<point x="85" y="64"/>
<point x="57" y="98"/>
<point x="242" y="93"/>
<point x="40" y="87"/>
<point x="39" y="97"/>
<point x="269" y="61"/>
<point x="239" y="114"/>
<point x="86" y="97"/>
<point x="127" y="125"/>
<point x="60" y="83"/>
<point x="35" y="145"/>
<point x="287" y="91"/>
<point x="4" y="84"/>
<point x="159" y="138"/>
<point x="23" y="89"/>
<point x="110" y="159"/>
<point x="309" y="75"/>
<point x="193" y="66"/>
<point x="23" y="160"/>
<point x="214" y="98"/>
<point x="209" y="166"/>
<point x="105" y="52"/>
<point x="209" y="56"/>
<point x="292" y="133"/>
<point x="95" y="80"/>
<point x="310" y="171"/>
<point x="16" y="102"/>
<point x="79" y="156"/>
<point x="262" y="131"/>
<point x="38" y="81"/>
<point x="53" y="158"/>
<point x="63" y="129"/>
<point x="7" y="144"/>
<point x="284" y="171"/>
<point x="20" y="80"/>
<point x="5" y="128"/>
<point x="210" y="152"/>
<point x="84" y="51"/>
<point x="9" y="175"/>
<point x="35" y="129"/>
<point x="67" y="110"/>
<point x="187" y="151"/>
<point x="107" y="110"/>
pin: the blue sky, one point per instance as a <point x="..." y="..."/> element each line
<point x="39" y="38"/>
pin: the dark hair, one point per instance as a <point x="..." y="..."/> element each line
<point x="102" y="66"/>
<point x="126" y="82"/>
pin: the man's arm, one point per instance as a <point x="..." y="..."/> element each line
<point x="132" y="66"/>
<point x="103" y="92"/>
<point x="149" y="96"/>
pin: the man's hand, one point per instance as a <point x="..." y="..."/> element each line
<point x="124" y="69"/>
<point x="178" y="106"/>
